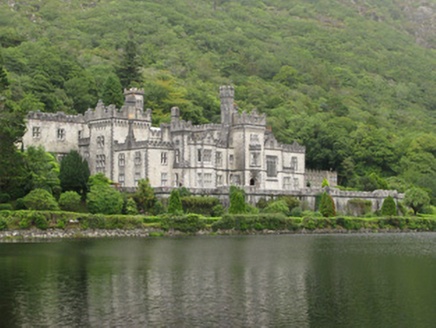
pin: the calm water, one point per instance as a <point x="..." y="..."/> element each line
<point x="249" y="281"/>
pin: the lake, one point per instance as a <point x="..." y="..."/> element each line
<point x="352" y="280"/>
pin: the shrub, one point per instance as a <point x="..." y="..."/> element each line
<point x="279" y="206"/>
<point x="190" y="223"/>
<point x="290" y="201"/>
<point x="262" y="203"/>
<point x="199" y="205"/>
<point x="218" y="211"/>
<point x="251" y="209"/>
<point x="104" y="199"/>
<point x="40" y="199"/>
<point x="144" y="196"/>
<point x="389" y="208"/>
<point x="318" y="201"/>
<point x="40" y="221"/>
<point x="327" y="206"/>
<point x="296" y="212"/>
<point x="5" y="207"/>
<point x="19" y="204"/>
<point x="70" y="201"/>
<point x="4" y="198"/>
<point x="131" y="208"/>
<point x="175" y="203"/>
<point x="325" y="183"/>
<point x="237" y="203"/>
<point x="3" y="223"/>
<point x="184" y="192"/>
<point x="157" y="208"/>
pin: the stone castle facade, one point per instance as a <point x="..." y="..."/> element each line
<point x="123" y="144"/>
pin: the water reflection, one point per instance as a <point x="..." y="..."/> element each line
<point x="292" y="281"/>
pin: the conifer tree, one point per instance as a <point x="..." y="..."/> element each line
<point x="74" y="173"/>
<point x="175" y="203"/>
<point x="327" y="205"/>
<point x="389" y="208"/>
<point x="113" y="91"/>
<point x="128" y="71"/>
<point x="144" y="196"/>
<point x="237" y="203"/>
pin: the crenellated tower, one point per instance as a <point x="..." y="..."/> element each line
<point x="227" y="97"/>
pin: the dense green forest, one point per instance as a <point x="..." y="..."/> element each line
<point x="354" y="81"/>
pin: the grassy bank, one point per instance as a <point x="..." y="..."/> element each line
<point x="192" y="223"/>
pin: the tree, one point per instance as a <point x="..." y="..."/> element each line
<point x="40" y="200"/>
<point x="237" y="203"/>
<point x="279" y="206"/>
<point x="144" y="196"/>
<point x="74" y="173"/>
<point x="128" y="71"/>
<point x="69" y="201"/>
<point x="416" y="198"/>
<point x="325" y="183"/>
<point x="389" y="208"/>
<point x="43" y="170"/>
<point x="113" y="91"/>
<point x="131" y="208"/>
<point x="175" y="203"/>
<point x="104" y="199"/>
<point x="327" y="205"/>
<point x="12" y="127"/>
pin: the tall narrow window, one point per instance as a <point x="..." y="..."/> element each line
<point x="207" y="155"/>
<point x="296" y="183"/>
<point x="164" y="179"/>
<point x="254" y="159"/>
<point x="164" y="158"/>
<point x="176" y="180"/>
<point x="100" y="163"/>
<point x="294" y="163"/>
<point x="199" y="180"/>
<point x="121" y="160"/>
<point x="219" y="180"/>
<point x="219" y="159"/>
<point x="199" y="153"/>
<point x="208" y="180"/>
<point x="121" y="179"/>
<point x="137" y="178"/>
<point x="61" y="134"/>
<point x="36" y="132"/>
<point x="271" y="166"/>
<point x="79" y="134"/>
<point x="100" y="141"/>
<point x="177" y="156"/>
<point x="287" y="183"/>
<point x="138" y="159"/>
<point x="231" y="159"/>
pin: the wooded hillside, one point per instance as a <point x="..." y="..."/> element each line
<point x="354" y="81"/>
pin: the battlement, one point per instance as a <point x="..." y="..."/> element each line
<point x="252" y="118"/>
<point x="227" y="91"/>
<point x="105" y="112"/>
<point x="56" y="117"/>
<point x="133" y="91"/>
<point x="294" y="147"/>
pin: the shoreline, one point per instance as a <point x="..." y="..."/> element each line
<point x="71" y="234"/>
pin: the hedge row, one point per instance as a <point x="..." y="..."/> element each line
<point x="191" y="223"/>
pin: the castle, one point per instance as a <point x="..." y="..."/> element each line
<point x="207" y="159"/>
<point x="123" y="144"/>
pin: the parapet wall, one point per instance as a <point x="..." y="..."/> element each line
<point x="308" y="195"/>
